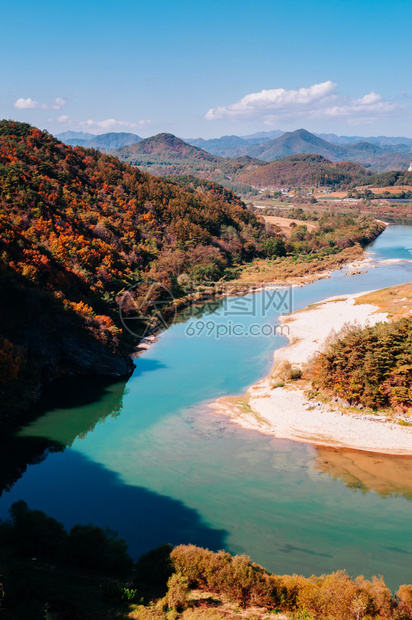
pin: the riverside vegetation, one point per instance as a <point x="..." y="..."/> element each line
<point x="87" y="574"/>
<point x="78" y="228"/>
<point x="371" y="367"/>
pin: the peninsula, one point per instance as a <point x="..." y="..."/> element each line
<point x="291" y="410"/>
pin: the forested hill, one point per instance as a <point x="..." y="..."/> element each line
<point x="166" y="144"/>
<point x="305" y="169"/>
<point x="77" y="228"/>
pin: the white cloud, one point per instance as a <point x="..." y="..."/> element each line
<point x="30" y="104"/>
<point x="369" y="99"/>
<point x="106" y="124"/>
<point x="317" y="101"/>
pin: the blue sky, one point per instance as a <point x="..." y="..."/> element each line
<point x="208" y="69"/>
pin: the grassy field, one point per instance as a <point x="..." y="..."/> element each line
<point x="296" y="269"/>
<point x="396" y="301"/>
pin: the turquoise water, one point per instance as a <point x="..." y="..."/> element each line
<point x="397" y="244"/>
<point x="151" y="460"/>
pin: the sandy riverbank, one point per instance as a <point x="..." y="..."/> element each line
<point x="287" y="413"/>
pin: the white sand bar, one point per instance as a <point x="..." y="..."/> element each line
<point x="287" y="413"/>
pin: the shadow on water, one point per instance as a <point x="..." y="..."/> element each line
<point x="76" y="403"/>
<point x="70" y="393"/>
<point x="85" y="492"/>
<point x="385" y="474"/>
<point x="17" y="455"/>
<point x="147" y="365"/>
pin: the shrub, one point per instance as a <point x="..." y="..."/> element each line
<point x="155" y="568"/>
<point x="237" y="577"/>
<point x="177" y="593"/>
<point x="404" y="595"/>
<point x="34" y="534"/>
<point x="92" y="547"/>
<point x="295" y="374"/>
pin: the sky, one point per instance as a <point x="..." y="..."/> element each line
<point x="207" y="69"/>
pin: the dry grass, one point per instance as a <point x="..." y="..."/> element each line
<point x="287" y="271"/>
<point x="340" y="194"/>
<point x="207" y="606"/>
<point x="392" y="189"/>
<point x="284" y="223"/>
<point x="396" y="301"/>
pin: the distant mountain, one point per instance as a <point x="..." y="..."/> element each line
<point x="113" y="140"/>
<point x="383" y="141"/>
<point x="342" y="140"/>
<point x="264" y="136"/>
<point x="105" y="142"/>
<point x="76" y="142"/>
<point x="378" y="158"/>
<point x="303" y="170"/>
<point x="165" y="154"/>
<point x="293" y="142"/>
<point x="74" y="135"/>
<point x="227" y="146"/>
<point x="302" y="141"/>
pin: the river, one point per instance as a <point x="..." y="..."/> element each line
<point x="149" y="458"/>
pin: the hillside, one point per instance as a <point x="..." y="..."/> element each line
<point x="77" y="228"/>
<point x="304" y="170"/>
<point x="395" y="178"/>
<point x="166" y="155"/>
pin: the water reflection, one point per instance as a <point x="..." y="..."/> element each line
<point x="71" y="408"/>
<point x="386" y="474"/>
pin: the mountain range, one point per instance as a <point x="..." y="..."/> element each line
<point x="221" y="159"/>
<point x="165" y="155"/>
<point x="265" y="136"/>
<point x="230" y="146"/>
<point x="302" y="141"/>
<point x="380" y="155"/>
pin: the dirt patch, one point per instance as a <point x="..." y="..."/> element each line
<point x="285" y="223"/>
